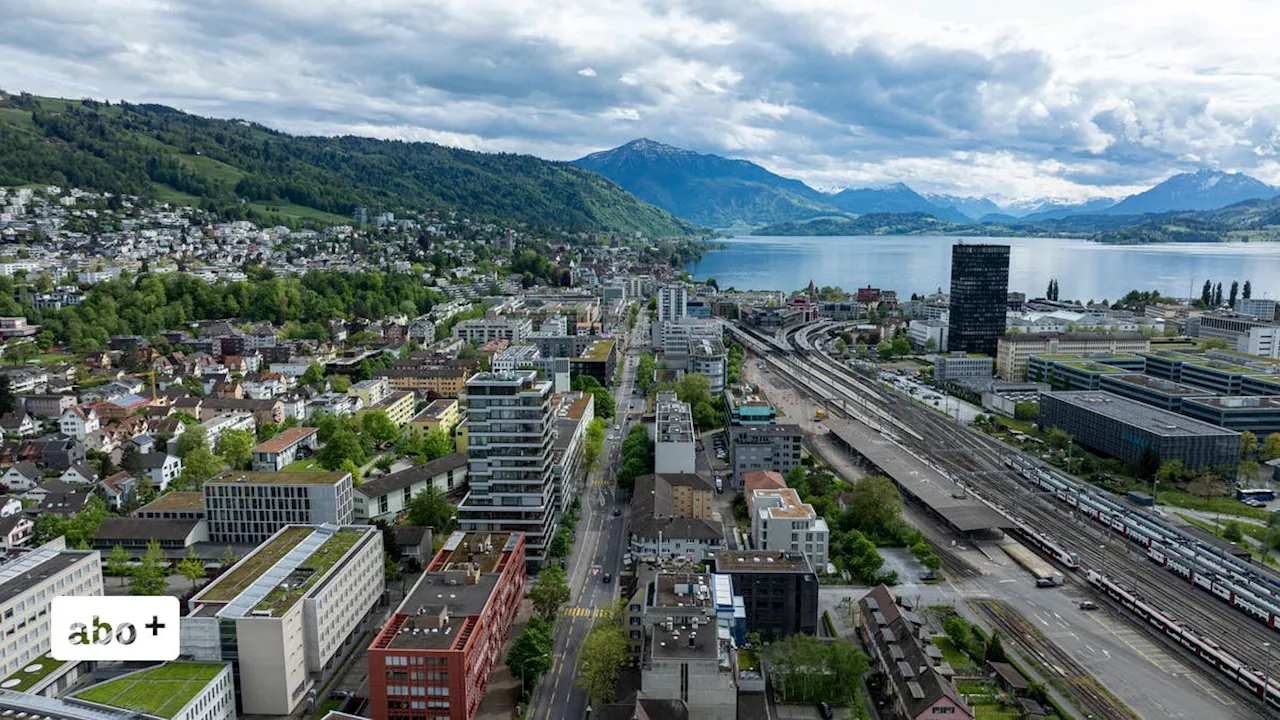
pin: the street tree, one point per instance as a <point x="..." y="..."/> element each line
<point x="561" y="544"/>
<point x="600" y="660"/>
<point x="191" y="568"/>
<point x="531" y="653"/>
<point x="1271" y="447"/>
<point x="549" y="592"/>
<point x="149" y="577"/>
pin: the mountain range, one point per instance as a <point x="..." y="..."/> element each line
<point x="727" y="193"/>
<point x="245" y="170"/>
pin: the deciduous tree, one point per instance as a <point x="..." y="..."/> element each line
<point x="550" y="590"/>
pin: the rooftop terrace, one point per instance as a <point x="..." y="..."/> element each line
<point x="161" y="691"/>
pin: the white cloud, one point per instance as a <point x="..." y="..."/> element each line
<point x="1003" y="97"/>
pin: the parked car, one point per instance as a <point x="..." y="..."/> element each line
<point x="607" y="578"/>
<point x="825" y="711"/>
<point x="1088" y="605"/>
<point x="1045" y="583"/>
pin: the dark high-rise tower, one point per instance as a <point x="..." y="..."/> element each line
<point x="979" y="291"/>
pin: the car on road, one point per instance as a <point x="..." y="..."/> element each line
<point x="825" y="711"/>
<point x="1088" y="605"/>
<point x="1045" y="583"/>
<point x="607" y="578"/>
<point x="617" y="512"/>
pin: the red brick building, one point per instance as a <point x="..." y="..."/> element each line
<point x="434" y="657"/>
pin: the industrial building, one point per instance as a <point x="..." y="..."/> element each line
<point x="436" y="654"/>
<point x="287" y="612"/>
<point x="1259" y="414"/>
<point x="1125" y="429"/>
<point x="1245" y="333"/>
<point x="1073" y="372"/>
<point x="979" y="292"/>
<point x="1157" y="392"/>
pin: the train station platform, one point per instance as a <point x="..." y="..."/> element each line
<point x="915" y="478"/>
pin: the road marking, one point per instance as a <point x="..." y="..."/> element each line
<point x="591" y="612"/>
<point x="1155" y="655"/>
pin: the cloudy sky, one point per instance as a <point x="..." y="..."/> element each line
<point x="999" y="97"/>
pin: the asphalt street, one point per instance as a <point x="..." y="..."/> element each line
<point x="597" y="552"/>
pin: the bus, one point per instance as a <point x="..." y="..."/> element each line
<point x="1255" y="494"/>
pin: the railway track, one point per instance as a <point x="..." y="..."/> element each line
<point x="977" y="461"/>
<point x="1087" y="694"/>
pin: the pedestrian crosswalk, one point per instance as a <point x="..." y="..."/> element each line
<point x="583" y="612"/>
<point x="603" y="482"/>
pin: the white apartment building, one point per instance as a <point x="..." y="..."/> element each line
<point x="386" y="496"/>
<point x="28" y="584"/>
<point x="920" y="332"/>
<point x="674" y="439"/>
<point x="515" y="330"/>
<point x="779" y="521"/>
<point x="78" y="422"/>
<point x="673" y="302"/>
<point x="515" y="357"/>
<point x="510" y="442"/>
<point x="249" y="507"/>
<point x="371" y="392"/>
<point x="288" y="612"/>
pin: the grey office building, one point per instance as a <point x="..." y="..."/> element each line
<point x="779" y="590"/>
<point x="764" y="447"/>
<point x="979" y="295"/>
<point x="1122" y="428"/>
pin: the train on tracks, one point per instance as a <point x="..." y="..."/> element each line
<point x="1235" y="582"/>
<point x="1239" y="672"/>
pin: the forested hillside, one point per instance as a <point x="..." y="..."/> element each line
<point x="164" y="153"/>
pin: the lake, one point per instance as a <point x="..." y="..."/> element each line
<point x="921" y="264"/>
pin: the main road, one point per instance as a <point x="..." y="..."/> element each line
<point x="597" y="548"/>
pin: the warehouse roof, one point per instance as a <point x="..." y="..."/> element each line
<point x="1140" y="415"/>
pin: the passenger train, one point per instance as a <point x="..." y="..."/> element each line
<point x="1226" y="577"/>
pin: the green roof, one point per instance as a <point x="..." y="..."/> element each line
<point x="161" y="691"/>
<point x="44" y="665"/>
<point x="239" y="578"/>
<point x="278" y="601"/>
<point x="1061" y="357"/>
<point x="279" y="478"/>
<point x="1093" y="366"/>
<point x="598" y="351"/>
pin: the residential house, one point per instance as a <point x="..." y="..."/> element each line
<point x="15" y="531"/>
<point x="19" y="424"/>
<point x="671" y="517"/>
<point x="119" y="489"/>
<point x="162" y="468"/>
<point x="896" y="640"/>
<point x="47" y="406"/>
<point x="414" y="543"/>
<point x="290" y="445"/>
<point x="79" y="474"/>
<point x="59" y="498"/>
<point x="10" y="505"/>
<point x="23" y="476"/>
<point x="58" y="451"/>
<point x="264" y="411"/>
<point x="78" y="422"/>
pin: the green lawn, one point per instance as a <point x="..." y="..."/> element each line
<point x="288" y="211"/>
<point x="56" y="358"/>
<point x="161" y="691"/>
<point x="956" y="659"/>
<point x="28" y="680"/>
<point x="304" y="465"/>
<point x="1223" y="505"/>
<point x="173" y="196"/>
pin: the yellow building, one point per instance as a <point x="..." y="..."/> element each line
<point x="398" y="406"/>
<point x="445" y="381"/>
<point x="443" y="415"/>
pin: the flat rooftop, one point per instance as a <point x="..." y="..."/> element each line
<point x="278" y="478"/>
<point x="23" y="680"/>
<point x="676" y="589"/>
<point x="177" y="500"/>
<point x="739" y="561"/>
<point x="1164" y="387"/>
<point x="687" y="642"/>
<point x="160" y="691"/>
<point x="438" y="610"/>
<point x="597" y="351"/>
<point x="1096" y="357"/>
<point x="674" y="422"/>
<point x="918" y="478"/>
<point x="480" y="549"/>
<point x="28" y="569"/>
<point x="37" y="707"/>
<point x="1092" y="366"/>
<point x="227" y="587"/>
<point x="1145" y="417"/>
<point x="309" y="572"/>
<point x="1241" y="402"/>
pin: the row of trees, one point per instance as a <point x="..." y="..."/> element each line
<point x="645" y="371"/>
<point x="1211" y="294"/>
<point x="637" y="457"/>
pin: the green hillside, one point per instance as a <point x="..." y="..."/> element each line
<point x="245" y="170"/>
